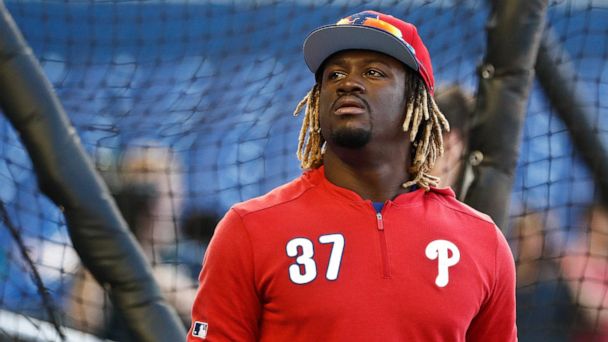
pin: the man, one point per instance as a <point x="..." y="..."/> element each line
<point x="361" y="247"/>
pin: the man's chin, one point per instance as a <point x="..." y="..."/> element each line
<point x="354" y="138"/>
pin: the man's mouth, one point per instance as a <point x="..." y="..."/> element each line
<point x="349" y="106"/>
<point x="349" y="110"/>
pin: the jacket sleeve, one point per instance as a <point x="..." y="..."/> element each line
<point x="227" y="307"/>
<point x="495" y="320"/>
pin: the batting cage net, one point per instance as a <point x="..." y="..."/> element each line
<point x="185" y="108"/>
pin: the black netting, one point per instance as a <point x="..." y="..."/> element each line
<point x="185" y="107"/>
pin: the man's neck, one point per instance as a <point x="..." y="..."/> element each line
<point x="377" y="177"/>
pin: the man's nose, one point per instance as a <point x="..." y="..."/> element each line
<point x="351" y="84"/>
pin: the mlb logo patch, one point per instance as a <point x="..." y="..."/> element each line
<point x="200" y="329"/>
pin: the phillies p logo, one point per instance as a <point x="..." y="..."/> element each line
<point x="438" y="249"/>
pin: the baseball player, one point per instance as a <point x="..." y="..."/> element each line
<point x="362" y="246"/>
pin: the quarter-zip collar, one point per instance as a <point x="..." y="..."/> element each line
<point x="317" y="177"/>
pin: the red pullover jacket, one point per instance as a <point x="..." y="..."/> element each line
<point x="311" y="261"/>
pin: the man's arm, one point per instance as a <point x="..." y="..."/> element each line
<point x="496" y="318"/>
<point x="227" y="307"/>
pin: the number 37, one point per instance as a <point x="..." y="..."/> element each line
<point x="304" y="270"/>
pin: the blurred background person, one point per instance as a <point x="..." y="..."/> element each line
<point x="198" y="225"/>
<point x="147" y="187"/>
<point x="457" y="106"/>
<point x="585" y="268"/>
<point x="545" y="310"/>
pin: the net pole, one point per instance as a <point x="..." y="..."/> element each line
<point x="514" y="32"/>
<point x="556" y="76"/>
<point x="67" y="177"/>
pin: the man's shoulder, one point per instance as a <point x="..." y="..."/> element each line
<point x="278" y="196"/>
<point x="472" y="225"/>
<point x="447" y="197"/>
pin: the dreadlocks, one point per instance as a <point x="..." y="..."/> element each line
<point x="423" y="120"/>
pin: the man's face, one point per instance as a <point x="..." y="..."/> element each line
<point x="362" y="98"/>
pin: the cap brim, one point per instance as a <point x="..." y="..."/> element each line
<point x="327" y="40"/>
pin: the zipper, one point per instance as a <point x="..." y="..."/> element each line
<point x="386" y="272"/>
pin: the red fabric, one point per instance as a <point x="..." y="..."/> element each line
<point x="411" y="36"/>
<point x="385" y="289"/>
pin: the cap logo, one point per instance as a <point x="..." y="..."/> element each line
<point x="373" y="20"/>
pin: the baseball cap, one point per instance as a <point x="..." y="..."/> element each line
<point x="371" y="30"/>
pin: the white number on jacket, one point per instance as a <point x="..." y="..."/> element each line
<point x="304" y="270"/>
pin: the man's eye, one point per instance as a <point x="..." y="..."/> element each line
<point x="334" y="75"/>
<point x="374" y="73"/>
